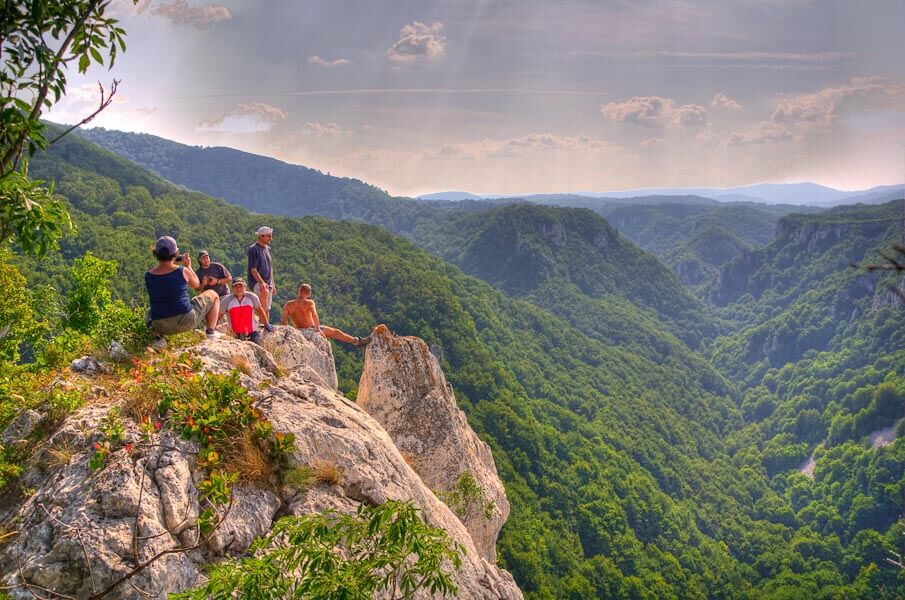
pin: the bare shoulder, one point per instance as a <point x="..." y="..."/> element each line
<point x="307" y="302"/>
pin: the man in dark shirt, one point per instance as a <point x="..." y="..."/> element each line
<point x="260" y="269"/>
<point x="213" y="275"/>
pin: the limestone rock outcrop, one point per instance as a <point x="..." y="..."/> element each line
<point x="403" y="387"/>
<point x="82" y="532"/>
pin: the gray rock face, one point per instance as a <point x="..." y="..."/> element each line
<point x="138" y="514"/>
<point x="403" y="387"/>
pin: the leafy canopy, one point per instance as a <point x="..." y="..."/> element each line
<point x="332" y="556"/>
<point x="40" y="40"/>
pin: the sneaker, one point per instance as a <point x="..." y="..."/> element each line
<point x="212" y="334"/>
<point x="361" y="342"/>
<point x="159" y="344"/>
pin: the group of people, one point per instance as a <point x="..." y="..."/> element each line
<point x="173" y="311"/>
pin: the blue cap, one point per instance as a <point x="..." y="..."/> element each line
<point x="165" y="246"/>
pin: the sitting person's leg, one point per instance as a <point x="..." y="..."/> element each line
<point x="206" y="309"/>
<point x="338" y="335"/>
<point x="342" y="336"/>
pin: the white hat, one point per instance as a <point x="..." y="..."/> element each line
<point x="264" y="230"/>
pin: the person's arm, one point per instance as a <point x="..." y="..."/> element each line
<point x="190" y="277"/>
<point x="257" y="277"/>
<point x="224" y="305"/>
<point x="285" y="317"/>
<point x="227" y="277"/>
<point x="314" y="318"/>
<point x="262" y="315"/>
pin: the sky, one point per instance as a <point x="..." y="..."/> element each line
<point x="521" y="96"/>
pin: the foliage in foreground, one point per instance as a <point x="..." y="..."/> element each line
<point x="333" y="555"/>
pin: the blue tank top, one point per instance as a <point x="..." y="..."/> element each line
<point x="169" y="294"/>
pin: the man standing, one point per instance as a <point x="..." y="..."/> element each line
<point x="241" y="306"/>
<point x="260" y="269"/>
<point x="302" y="313"/>
<point x="213" y="275"/>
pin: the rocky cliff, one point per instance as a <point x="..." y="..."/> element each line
<point x="129" y="530"/>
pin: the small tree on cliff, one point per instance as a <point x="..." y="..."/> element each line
<point x="39" y="40"/>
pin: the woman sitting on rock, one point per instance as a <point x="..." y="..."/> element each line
<point x="168" y="290"/>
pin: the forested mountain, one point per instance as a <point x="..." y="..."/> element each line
<point x="820" y="354"/>
<point x="570" y="262"/>
<point x="631" y="470"/>
<point x="267" y="185"/>
<point x="696" y="239"/>
<point x="603" y="451"/>
<point x="694" y="236"/>
<point x="575" y="264"/>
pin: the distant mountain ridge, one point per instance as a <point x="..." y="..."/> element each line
<point x="803" y="194"/>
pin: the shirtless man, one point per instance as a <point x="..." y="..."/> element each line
<point x="302" y="313"/>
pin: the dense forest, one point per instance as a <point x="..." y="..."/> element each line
<point x="650" y="444"/>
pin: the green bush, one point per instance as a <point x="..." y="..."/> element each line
<point x="16" y="320"/>
<point x="338" y="556"/>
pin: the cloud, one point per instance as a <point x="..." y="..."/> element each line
<point x="652" y="143"/>
<point x="690" y="115"/>
<point x="418" y="41"/>
<point x="521" y="146"/>
<point x="721" y="100"/>
<point x="317" y="60"/>
<point x="708" y="139"/>
<point x="816" y="112"/>
<point x="762" y="133"/>
<point x="323" y="130"/>
<point x="252" y="117"/>
<point x="199" y="17"/>
<point x="654" y="111"/>
<point x="144" y="111"/>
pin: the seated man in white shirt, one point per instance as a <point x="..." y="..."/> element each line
<point x="241" y="306"/>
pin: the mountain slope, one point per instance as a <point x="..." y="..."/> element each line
<point x="613" y="462"/>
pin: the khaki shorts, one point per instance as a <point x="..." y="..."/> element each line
<point x="265" y="305"/>
<point x="201" y="305"/>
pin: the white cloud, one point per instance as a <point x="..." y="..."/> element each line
<point x="521" y="146"/>
<point x="317" y="60"/>
<point x="180" y="12"/>
<point x="252" y="117"/>
<point x="816" y="112"/>
<point x="689" y="115"/>
<point x="418" y="41"/>
<point x="708" y="139"/>
<point x="324" y="130"/>
<point x="654" y="111"/>
<point x="652" y="143"/>
<point x="721" y="100"/>
<point x="762" y="133"/>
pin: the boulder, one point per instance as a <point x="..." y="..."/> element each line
<point x="403" y="387"/>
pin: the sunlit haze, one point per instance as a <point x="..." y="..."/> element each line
<point x="522" y="96"/>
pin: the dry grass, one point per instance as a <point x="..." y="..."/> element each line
<point x="240" y="362"/>
<point x="249" y="459"/>
<point x="326" y="471"/>
<point x="61" y="453"/>
<point x="138" y="406"/>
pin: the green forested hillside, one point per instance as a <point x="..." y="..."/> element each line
<point x="632" y="472"/>
<point x="820" y="353"/>
<point x="573" y="263"/>
<point x="620" y="482"/>
<point x="267" y="185"/>
<point x="687" y="233"/>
